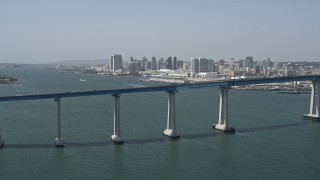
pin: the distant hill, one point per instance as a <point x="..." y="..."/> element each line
<point x="84" y="62"/>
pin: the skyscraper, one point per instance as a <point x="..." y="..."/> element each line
<point x="134" y="67"/>
<point x="175" y="66"/>
<point x="248" y="62"/>
<point x="203" y="65"/>
<point x="199" y="65"/>
<point x="211" y="65"/>
<point x="169" y="63"/>
<point x="116" y="62"/>
<point x="153" y="63"/>
<point x="144" y="63"/>
<point x="194" y="65"/>
<point x="160" y="64"/>
<point x="180" y="64"/>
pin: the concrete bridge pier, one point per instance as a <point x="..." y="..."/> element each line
<point x="223" y="112"/>
<point x="314" y="102"/>
<point x="59" y="140"/>
<point x="116" y="137"/>
<point x="171" y="120"/>
<point x="1" y="142"/>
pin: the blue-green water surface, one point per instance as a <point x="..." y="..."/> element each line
<point x="272" y="140"/>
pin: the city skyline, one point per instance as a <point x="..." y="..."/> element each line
<point x="47" y="31"/>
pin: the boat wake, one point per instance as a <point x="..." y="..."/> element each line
<point x="135" y="85"/>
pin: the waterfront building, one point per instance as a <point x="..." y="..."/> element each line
<point x="148" y="65"/>
<point x="169" y="63"/>
<point x="144" y="63"/>
<point x="160" y="63"/>
<point x="187" y="65"/>
<point x="257" y="69"/>
<point x="194" y="66"/>
<point x="267" y="63"/>
<point x="180" y="64"/>
<point x="290" y="72"/>
<point x="211" y="65"/>
<point x="240" y="63"/>
<point x="175" y="66"/>
<point x="203" y="65"/>
<point x="248" y="62"/>
<point x="206" y="65"/>
<point x="153" y="63"/>
<point x="133" y="68"/>
<point x="205" y="75"/>
<point x="231" y="63"/>
<point x="221" y="62"/>
<point x="116" y="62"/>
<point x="111" y="63"/>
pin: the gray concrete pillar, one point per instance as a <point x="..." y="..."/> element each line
<point x="223" y="112"/>
<point x="59" y="140"/>
<point x="116" y="137"/>
<point x="171" y="118"/>
<point x="314" y="102"/>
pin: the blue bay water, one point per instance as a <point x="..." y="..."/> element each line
<point x="272" y="140"/>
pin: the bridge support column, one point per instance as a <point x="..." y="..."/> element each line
<point x="1" y="142"/>
<point x="59" y="140"/>
<point x="223" y="112"/>
<point x="116" y="137"/>
<point x="314" y="102"/>
<point x="171" y="120"/>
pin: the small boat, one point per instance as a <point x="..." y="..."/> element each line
<point x="145" y="80"/>
<point x="82" y="80"/>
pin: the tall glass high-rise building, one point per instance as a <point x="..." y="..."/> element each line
<point x="248" y="62"/>
<point x="203" y="65"/>
<point x="199" y="65"/>
<point x="153" y="63"/>
<point x="116" y="62"/>
<point x="211" y="65"/>
<point x="169" y="62"/>
<point x="194" y="65"/>
<point x="174" y="63"/>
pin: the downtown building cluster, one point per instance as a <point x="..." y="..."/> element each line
<point x="247" y="67"/>
<point x="134" y="66"/>
<point x="137" y="65"/>
<point x="208" y="68"/>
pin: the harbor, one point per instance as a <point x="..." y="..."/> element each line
<point x="86" y="130"/>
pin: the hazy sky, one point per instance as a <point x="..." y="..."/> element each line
<point x="33" y="31"/>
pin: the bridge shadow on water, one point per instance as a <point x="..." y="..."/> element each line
<point x="272" y="127"/>
<point x="156" y="140"/>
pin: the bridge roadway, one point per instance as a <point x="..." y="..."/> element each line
<point x="171" y="89"/>
<point x="167" y="87"/>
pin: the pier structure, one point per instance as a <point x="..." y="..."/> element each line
<point x="314" y="102"/>
<point x="172" y="89"/>
<point x="171" y="120"/>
